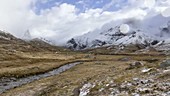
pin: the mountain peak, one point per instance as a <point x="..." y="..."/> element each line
<point x="27" y="35"/>
<point x="146" y="33"/>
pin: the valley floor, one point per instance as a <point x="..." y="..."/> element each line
<point x="97" y="75"/>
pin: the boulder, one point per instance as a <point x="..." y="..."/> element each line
<point x="136" y="64"/>
<point x="165" y="64"/>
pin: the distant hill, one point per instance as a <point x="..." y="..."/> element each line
<point x="9" y="42"/>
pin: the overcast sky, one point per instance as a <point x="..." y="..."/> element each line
<point x="60" y="20"/>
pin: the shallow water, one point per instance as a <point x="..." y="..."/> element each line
<point x="9" y="83"/>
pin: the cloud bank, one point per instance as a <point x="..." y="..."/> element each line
<point x="64" y="21"/>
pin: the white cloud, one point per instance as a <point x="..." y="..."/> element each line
<point x="64" y="21"/>
<point x="15" y="15"/>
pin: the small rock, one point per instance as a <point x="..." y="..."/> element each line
<point x="107" y="85"/>
<point x="114" y="92"/>
<point x="144" y="90"/>
<point x="166" y="71"/>
<point x="124" y="59"/>
<point x="129" y="84"/>
<point x="165" y="64"/>
<point x="113" y="85"/>
<point x="145" y="81"/>
<point x="87" y="56"/>
<point x="76" y="91"/>
<point x="111" y="89"/>
<point x="135" y="94"/>
<point x="168" y="93"/>
<point x="100" y="90"/>
<point x="135" y="65"/>
<point x="86" y="89"/>
<point x="136" y="79"/>
<point x="111" y="81"/>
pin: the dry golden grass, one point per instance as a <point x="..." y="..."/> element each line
<point x="21" y="64"/>
<point x="95" y="68"/>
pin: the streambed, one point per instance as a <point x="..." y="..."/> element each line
<point x="10" y="83"/>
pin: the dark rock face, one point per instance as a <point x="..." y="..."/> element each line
<point x="165" y="64"/>
<point x="98" y="43"/>
<point x="73" y="43"/>
<point x="154" y="42"/>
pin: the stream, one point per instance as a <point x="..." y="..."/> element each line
<point x="10" y="83"/>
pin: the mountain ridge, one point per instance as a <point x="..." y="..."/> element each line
<point x="148" y="32"/>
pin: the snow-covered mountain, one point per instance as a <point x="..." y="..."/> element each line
<point x="150" y="31"/>
<point x="44" y="40"/>
<point x="27" y="37"/>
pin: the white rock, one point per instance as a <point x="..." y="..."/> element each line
<point x="166" y="71"/>
<point x="107" y="85"/>
<point x="135" y="79"/>
<point x="85" y="89"/>
<point x="135" y="94"/>
<point x="146" y="70"/>
<point x="101" y="89"/>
